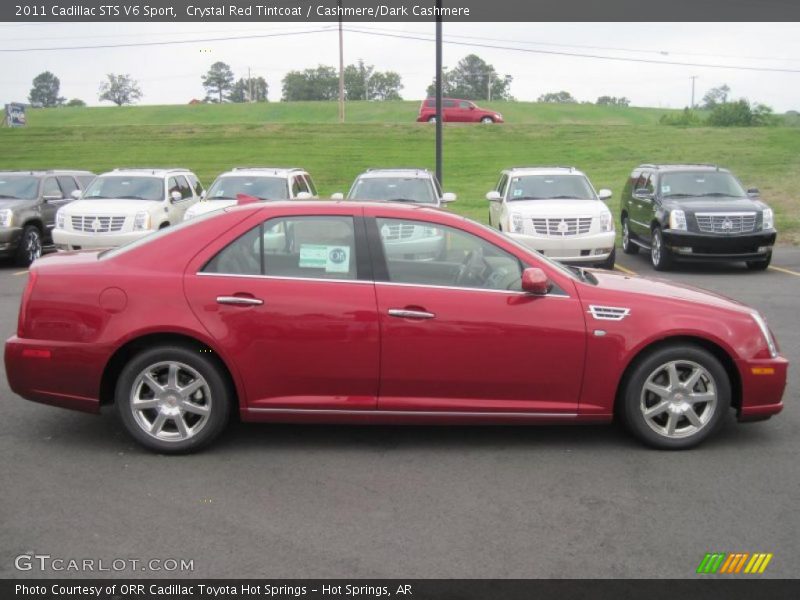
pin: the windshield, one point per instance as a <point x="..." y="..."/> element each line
<point x="549" y="187"/>
<point x="125" y="188"/>
<point x="18" y="187"/>
<point x="264" y="188"/>
<point x="400" y="189"/>
<point x="700" y="184"/>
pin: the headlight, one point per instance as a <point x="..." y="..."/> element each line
<point x="606" y="222"/>
<point x="762" y="325"/>
<point x="767" y="219"/>
<point x="516" y="222"/>
<point x="498" y="116"/>
<point x="677" y="219"/>
<point x="142" y="221"/>
<point x="6" y="217"/>
<point x="430" y="232"/>
<point x="60" y="219"/>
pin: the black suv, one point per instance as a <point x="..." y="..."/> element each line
<point x="695" y="212"/>
<point x="28" y="204"/>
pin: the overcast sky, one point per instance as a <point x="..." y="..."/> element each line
<point x="171" y="74"/>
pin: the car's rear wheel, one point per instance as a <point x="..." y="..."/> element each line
<point x="30" y="246"/>
<point x="487" y="120"/>
<point x="659" y="254"/>
<point x="628" y="247"/>
<point x="676" y="397"/>
<point x="172" y="399"/>
<point x="760" y="265"/>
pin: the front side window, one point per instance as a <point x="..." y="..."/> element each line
<point x="298" y="185"/>
<point x="314" y="247"/>
<point x="549" y="187"/>
<point x="196" y="185"/>
<point x="311" y="187"/>
<point x="51" y="188"/>
<point x="67" y="184"/>
<point x="427" y="254"/>
<point x="126" y="188"/>
<point x="183" y="188"/>
<point x="465" y="105"/>
<point x="263" y="188"/>
<point x="417" y="190"/>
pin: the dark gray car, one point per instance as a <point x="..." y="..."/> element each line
<point x="28" y="204"/>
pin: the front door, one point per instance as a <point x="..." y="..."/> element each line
<point x="287" y="303"/>
<point x="458" y="335"/>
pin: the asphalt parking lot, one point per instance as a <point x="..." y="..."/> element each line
<point x="330" y="501"/>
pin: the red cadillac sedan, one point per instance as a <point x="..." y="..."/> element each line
<point x="325" y="312"/>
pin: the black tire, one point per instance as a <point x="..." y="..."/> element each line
<point x="215" y="396"/>
<point x="610" y="261"/>
<point x="30" y="246"/>
<point x="760" y="265"/>
<point x="164" y="225"/>
<point x="628" y="247"/>
<point x="660" y="257"/>
<point x="634" y="399"/>
<point x="431" y="119"/>
<point x="487" y="120"/>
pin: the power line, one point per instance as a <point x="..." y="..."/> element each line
<point x="584" y="55"/>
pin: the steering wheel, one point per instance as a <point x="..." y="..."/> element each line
<point x="472" y="269"/>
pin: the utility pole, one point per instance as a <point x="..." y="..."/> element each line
<point x="693" y="77"/>
<point x="249" y="86"/>
<point x="439" y="175"/>
<point x="341" y="66"/>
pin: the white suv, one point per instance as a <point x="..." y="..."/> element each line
<point x="414" y="186"/>
<point x="264" y="183"/>
<point x="125" y="204"/>
<point x="556" y="211"/>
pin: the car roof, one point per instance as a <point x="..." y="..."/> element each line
<point x="154" y="171"/>
<point x="400" y="172"/>
<point x="544" y="170"/>
<point x="40" y="173"/>
<point x="682" y="167"/>
<point x="265" y="171"/>
<point x="310" y="206"/>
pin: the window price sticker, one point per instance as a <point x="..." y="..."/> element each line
<point x="334" y="259"/>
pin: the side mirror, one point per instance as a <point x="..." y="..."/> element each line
<point x="534" y="281"/>
<point x="52" y="197"/>
<point x="753" y="192"/>
<point x="494" y="196"/>
<point x="643" y="194"/>
<point x="303" y="196"/>
<point x="337" y="196"/>
<point x="75" y="195"/>
<point x="203" y="195"/>
<point x="175" y="197"/>
<point x="604" y="194"/>
<point x="448" y="197"/>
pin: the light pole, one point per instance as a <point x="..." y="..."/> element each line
<point x="439" y="175"/>
<point x="341" y="66"/>
<point x="693" y="77"/>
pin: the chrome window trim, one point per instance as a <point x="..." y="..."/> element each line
<point x="282" y="278"/>
<point x="420" y="413"/>
<point x="469" y="289"/>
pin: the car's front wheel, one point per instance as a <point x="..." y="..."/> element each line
<point x="675" y="397"/>
<point x="628" y="247"/>
<point x="172" y="399"/>
<point x="659" y="254"/>
<point x="30" y="246"/>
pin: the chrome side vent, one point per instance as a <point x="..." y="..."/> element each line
<point x="609" y="313"/>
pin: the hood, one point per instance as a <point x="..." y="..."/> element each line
<point x="13" y="202"/>
<point x="206" y="206"/>
<point x="110" y="207"/>
<point x="662" y="289"/>
<point x="558" y="208"/>
<point x="719" y="204"/>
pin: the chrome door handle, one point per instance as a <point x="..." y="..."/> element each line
<point x="239" y="301"/>
<point x="410" y="314"/>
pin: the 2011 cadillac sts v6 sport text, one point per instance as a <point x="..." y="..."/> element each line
<point x="296" y="312"/>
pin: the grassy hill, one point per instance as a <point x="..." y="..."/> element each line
<point x="604" y="142"/>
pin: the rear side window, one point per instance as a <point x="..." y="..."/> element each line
<point x="314" y="247"/>
<point x="448" y="103"/>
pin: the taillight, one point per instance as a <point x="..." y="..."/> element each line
<point x="23" y="306"/>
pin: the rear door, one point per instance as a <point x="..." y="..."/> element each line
<point x="54" y="196"/>
<point x="291" y="301"/>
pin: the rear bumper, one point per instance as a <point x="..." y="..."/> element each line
<point x="708" y="246"/>
<point x="763" y="384"/>
<point x="57" y="373"/>
<point x="591" y="248"/>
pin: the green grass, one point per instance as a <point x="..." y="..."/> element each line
<point x="605" y="147"/>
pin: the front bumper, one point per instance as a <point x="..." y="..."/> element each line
<point x="9" y="240"/>
<point x="590" y="248"/>
<point x="77" y="240"/>
<point x="689" y="245"/>
<point x="763" y="384"/>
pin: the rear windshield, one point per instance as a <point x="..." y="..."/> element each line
<point x="264" y="188"/>
<point x="18" y="187"/>
<point x="549" y="187"/>
<point x="398" y="189"/>
<point x="125" y="187"/>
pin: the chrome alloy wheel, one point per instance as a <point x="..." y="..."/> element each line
<point x="655" y="249"/>
<point x="678" y="399"/>
<point x="170" y="401"/>
<point x="32" y="243"/>
<point x="626" y="236"/>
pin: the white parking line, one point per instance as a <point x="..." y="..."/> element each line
<point x="20" y="273"/>
<point x="624" y="270"/>
<point x="787" y="271"/>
